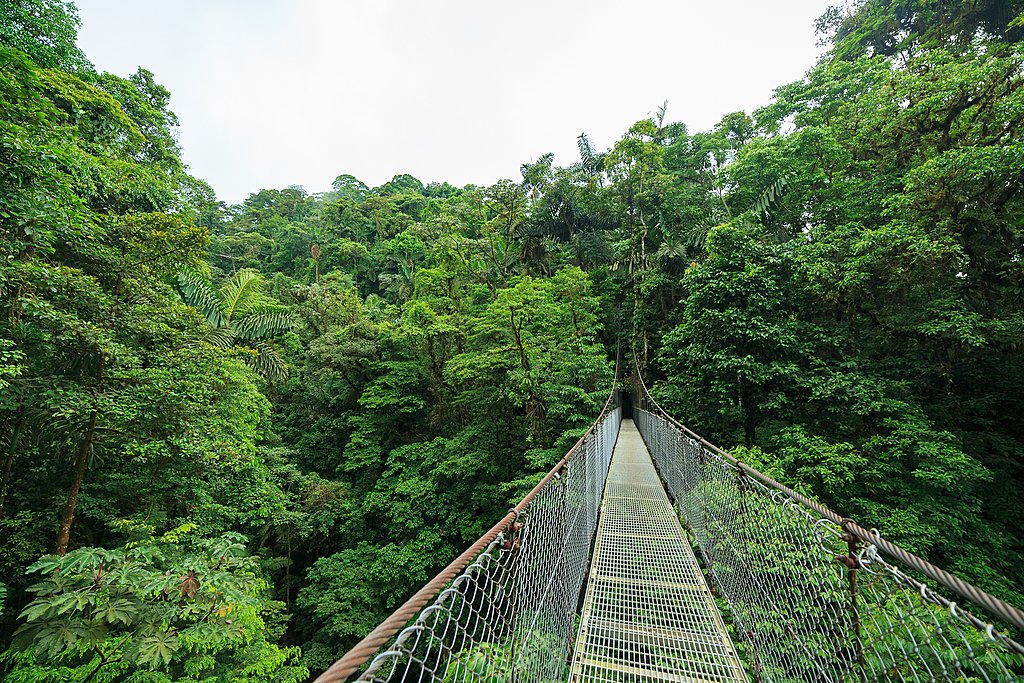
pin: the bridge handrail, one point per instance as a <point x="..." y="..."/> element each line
<point x="998" y="608"/>
<point x="362" y="651"/>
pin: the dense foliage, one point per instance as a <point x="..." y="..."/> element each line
<point x="228" y="433"/>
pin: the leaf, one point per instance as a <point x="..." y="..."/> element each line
<point x="120" y="610"/>
<point x="765" y="200"/>
<point x="45" y="564"/>
<point x="37" y="609"/>
<point x="262" y="322"/>
<point x="199" y="293"/>
<point x="241" y="293"/>
<point x="267" y="361"/>
<point x="221" y="337"/>
<point x="189" y="585"/>
<point x="76" y="601"/>
<point x="157" y="649"/>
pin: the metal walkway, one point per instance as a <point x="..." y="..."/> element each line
<point x="648" y="615"/>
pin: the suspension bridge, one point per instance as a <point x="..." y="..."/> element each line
<point x="649" y="555"/>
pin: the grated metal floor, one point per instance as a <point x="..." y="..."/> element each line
<point x="648" y="615"/>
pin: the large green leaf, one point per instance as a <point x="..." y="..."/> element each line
<point x="263" y="322"/>
<point x="157" y="650"/>
<point x="221" y="337"/>
<point x="119" y="610"/>
<point x="241" y="293"/>
<point x="267" y="361"/>
<point x="199" y="293"/>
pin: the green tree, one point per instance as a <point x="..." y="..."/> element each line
<point x="240" y="316"/>
<point x="177" y="606"/>
<point x="45" y="30"/>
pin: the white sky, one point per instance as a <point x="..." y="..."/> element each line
<point x="278" y="92"/>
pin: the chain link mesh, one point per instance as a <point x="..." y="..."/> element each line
<point x="808" y="599"/>
<point x="511" y="614"/>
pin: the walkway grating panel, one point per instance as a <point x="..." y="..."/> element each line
<point x="648" y="615"/>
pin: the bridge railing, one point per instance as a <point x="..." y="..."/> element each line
<point x="505" y="609"/>
<point x="814" y="596"/>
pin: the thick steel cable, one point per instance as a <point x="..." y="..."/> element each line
<point x="992" y="604"/>
<point x="361" y="653"/>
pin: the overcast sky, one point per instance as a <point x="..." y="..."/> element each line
<point x="272" y="93"/>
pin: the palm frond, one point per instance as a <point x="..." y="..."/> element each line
<point x="661" y="114"/>
<point x="767" y="198"/>
<point x="267" y="361"/>
<point x="590" y="161"/>
<point x="671" y="250"/>
<point x="221" y="337"/>
<point x="586" y="151"/>
<point x="694" y="235"/>
<point x="263" y="322"/>
<point x="241" y="293"/>
<point x="197" y="292"/>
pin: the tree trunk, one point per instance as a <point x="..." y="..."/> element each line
<point x="64" y="535"/>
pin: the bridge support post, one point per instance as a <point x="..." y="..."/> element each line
<point x="852" y="565"/>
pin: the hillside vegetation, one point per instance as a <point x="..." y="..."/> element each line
<point x="244" y="434"/>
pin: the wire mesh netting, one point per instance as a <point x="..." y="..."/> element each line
<point x="811" y="601"/>
<point x="511" y="614"/>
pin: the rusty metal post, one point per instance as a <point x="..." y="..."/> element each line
<point x="852" y="565"/>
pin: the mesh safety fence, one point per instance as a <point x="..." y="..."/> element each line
<point x="813" y="596"/>
<point x="510" y="614"/>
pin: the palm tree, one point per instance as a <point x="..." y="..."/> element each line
<point x="240" y="316"/>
